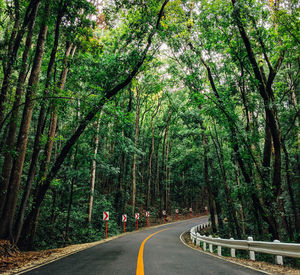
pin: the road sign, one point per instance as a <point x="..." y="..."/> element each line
<point x="106" y="216"/>
<point x="147" y="215"/>
<point x="176" y="211"/>
<point x="124" y="218"/>
<point x="137" y="216"/>
<point x="164" y="214"/>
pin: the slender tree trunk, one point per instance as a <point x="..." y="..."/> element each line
<point x="167" y="173"/>
<point x="136" y="142"/>
<point x="93" y="171"/>
<point x="38" y="135"/>
<point x="232" y="213"/>
<point x="156" y="185"/>
<point x="206" y="180"/>
<point x="242" y="207"/>
<point x="164" y="159"/>
<point x="13" y="190"/>
<point x="265" y="90"/>
<point x="123" y="185"/>
<point x="52" y="217"/>
<point x="150" y="159"/>
<point x="290" y="191"/>
<point x="10" y="141"/>
<point x="73" y="182"/>
<point x="219" y="215"/>
<point x="50" y="141"/>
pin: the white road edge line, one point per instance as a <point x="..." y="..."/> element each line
<point x="221" y="258"/>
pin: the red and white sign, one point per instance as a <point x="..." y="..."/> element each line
<point x="205" y="207"/>
<point x="106" y="216"/>
<point x="124" y="218"/>
<point x="164" y="212"/>
<point x="176" y="211"/>
<point x="191" y="209"/>
<point x="137" y="216"/>
<point x="147" y="214"/>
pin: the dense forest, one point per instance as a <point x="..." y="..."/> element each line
<point x="128" y="106"/>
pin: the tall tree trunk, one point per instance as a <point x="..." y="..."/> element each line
<point x="73" y="182"/>
<point x="10" y="141"/>
<point x="39" y="132"/>
<point x="206" y="180"/>
<point x="136" y="142"/>
<point x="265" y="90"/>
<point x="168" y="175"/>
<point x="14" y="184"/>
<point x="291" y="192"/>
<point x="148" y="200"/>
<point x="242" y="203"/>
<point x="164" y="160"/>
<point x="156" y="184"/>
<point x="232" y="212"/>
<point x="93" y="171"/>
<point x="123" y="185"/>
<point x="50" y="140"/>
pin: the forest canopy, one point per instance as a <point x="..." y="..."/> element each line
<point x="128" y="106"/>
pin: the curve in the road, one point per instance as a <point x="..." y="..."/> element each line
<point x="162" y="254"/>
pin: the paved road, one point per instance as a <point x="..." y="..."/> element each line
<point x="164" y="253"/>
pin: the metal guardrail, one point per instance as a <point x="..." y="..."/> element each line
<point x="275" y="248"/>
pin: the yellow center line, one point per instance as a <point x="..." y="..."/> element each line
<point x="140" y="262"/>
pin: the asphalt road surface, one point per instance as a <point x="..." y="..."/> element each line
<point x="162" y="253"/>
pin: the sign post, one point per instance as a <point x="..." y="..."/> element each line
<point x="124" y="220"/>
<point x="147" y="215"/>
<point x="106" y="218"/>
<point x="206" y="212"/>
<point x="176" y="211"/>
<point x="164" y="214"/>
<point x="191" y="211"/>
<point x="137" y="217"/>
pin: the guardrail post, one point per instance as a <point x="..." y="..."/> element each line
<point x="251" y="253"/>
<point x="198" y="239"/>
<point x="232" y="250"/>
<point x="210" y="245"/>
<point x="204" y="245"/>
<point x="219" y="249"/>
<point x="278" y="259"/>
